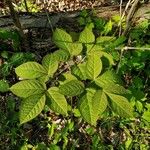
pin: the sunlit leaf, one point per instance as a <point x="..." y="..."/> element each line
<point x="120" y="105"/>
<point x="93" y="66"/>
<point x="61" y="55"/>
<point x="50" y="63"/>
<point x="27" y="88"/>
<point x="79" y="71"/>
<point x="31" y="107"/>
<point x="57" y="101"/>
<point x="30" y="70"/>
<point x="72" y="88"/>
<point x="62" y="39"/>
<point x="92" y="104"/>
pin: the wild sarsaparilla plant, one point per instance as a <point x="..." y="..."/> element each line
<point x="77" y="70"/>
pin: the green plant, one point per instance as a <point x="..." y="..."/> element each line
<point x="11" y="60"/>
<point x="78" y="71"/>
<point x="10" y="38"/>
<point x="30" y="6"/>
<point x="4" y="86"/>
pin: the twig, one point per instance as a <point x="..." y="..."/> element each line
<point x="133" y="48"/>
<point x="130" y="16"/>
<point x="14" y="15"/>
<point x="125" y="10"/>
<point x="120" y="25"/>
<point x="120" y="59"/>
<point x="26" y="6"/>
<point x="123" y="15"/>
<point x="49" y="21"/>
<point x="17" y="23"/>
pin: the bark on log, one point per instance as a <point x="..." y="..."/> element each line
<point x="40" y="20"/>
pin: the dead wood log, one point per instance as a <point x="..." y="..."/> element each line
<point x="40" y="20"/>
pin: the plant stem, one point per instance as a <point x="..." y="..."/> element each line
<point x="118" y="67"/>
<point x="26" y="6"/>
<point x="17" y="23"/>
<point x="130" y="16"/>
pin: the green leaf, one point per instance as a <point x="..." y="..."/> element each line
<point x="31" y="107"/>
<point x="57" y="101"/>
<point x="62" y="39"/>
<point x="30" y="70"/>
<point x="146" y="115"/>
<point x="104" y="39"/>
<point x="94" y="48"/>
<point x="111" y="87"/>
<point x="93" y="66"/>
<point x="43" y="79"/>
<point x="61" y="55"/>
<point x="139" y="106"/>
<point x="27" y="88"/>
<point x="66" y="77"/>
<point x="120" y="41"/>
<point x="79" y="71"/>
<point x="110" y="82"/>
<point x="107" y="28"/>
<point x="50" y="63"/>
<point x="87" y="36"/>
<point x="92" y="104"/>
<point x="120" y="105"/>
<point x="76" y="49"/>
<point x="17" y="58"/>
<point x="110" y="76"/>
<point x="117" y="42"/>
<point x="109" y="57"/>
<point x="86" y="108"/>
<point x="4" y="86"/>
<point x="72" y="88"/>
<point x="100" y="102"/>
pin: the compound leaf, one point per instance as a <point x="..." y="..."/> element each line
<point x="110" y="82"/>
<point x="31" y="107"/>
